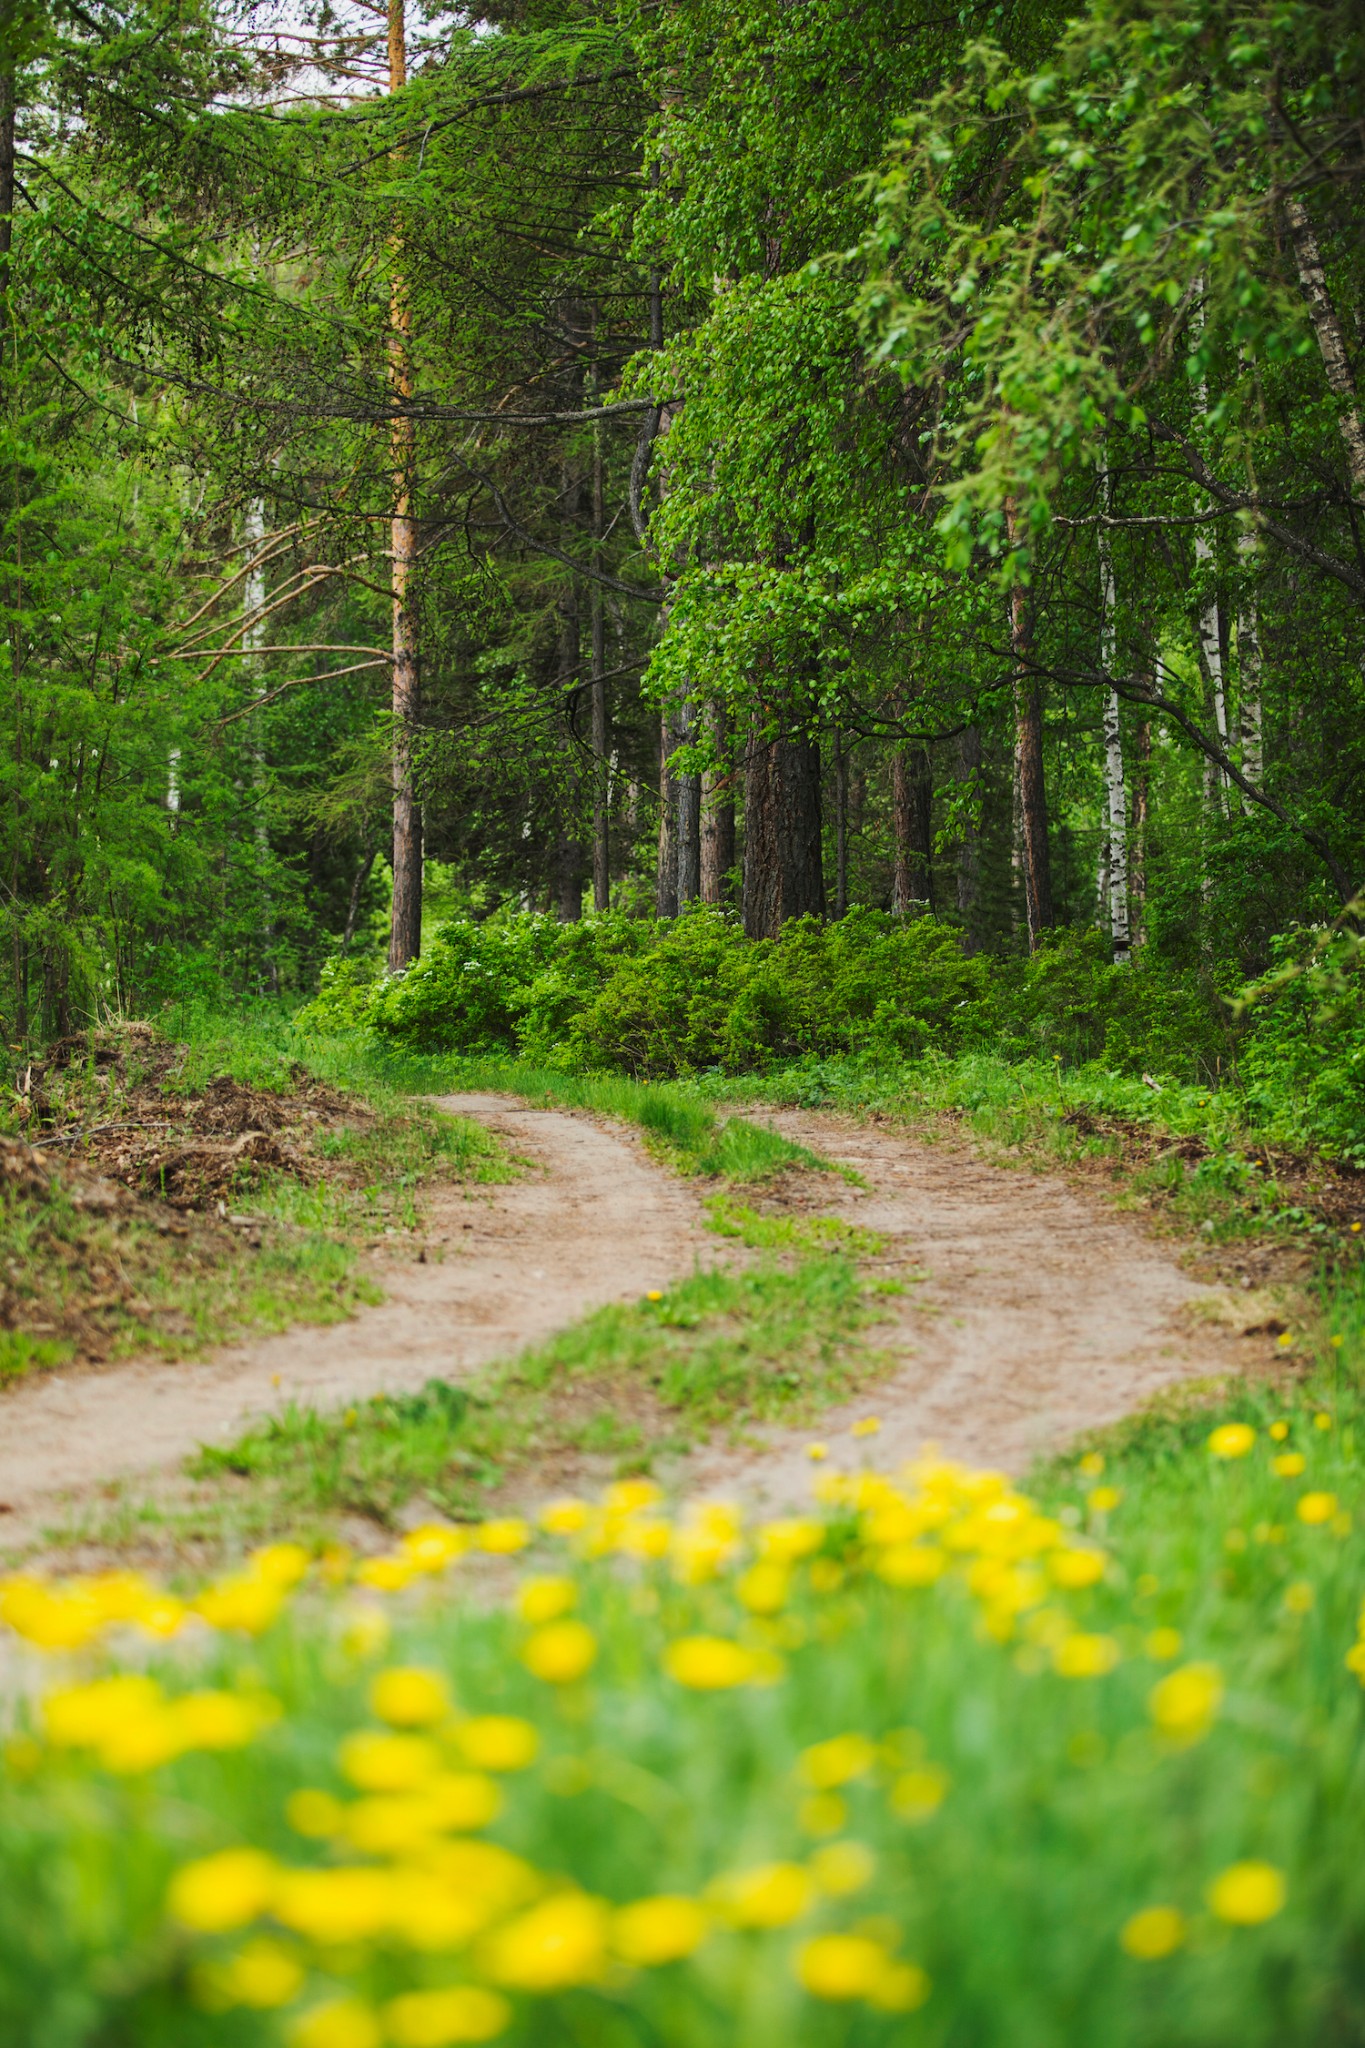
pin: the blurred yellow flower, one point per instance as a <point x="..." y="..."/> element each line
<point x="346" y="1903"/>
<point x="709" y="1663"/>
<point x="868" y="1426"/>
<point x="817" y="1451"/>
<point x="560" y="1653"/>
<point x="498" y="1742"/>
<point x="902" y="1987"/>
<point x="1322" y="1420"/>
<point x="564" y="1517"/>
<point x="503" y="1537"/>
<point x="764" y="1588"/>
<point x="1184" y="1705"/>
<point x="341" y="2023"/>
<point x="1279" y="1430"/>
<point x="439" y="2019"/>
<point x="386" y="1574"/>
<point x="844" y="1757"/>
<point x="843" y="1867"/>
<point x="771" y="1895"/>
<point x="1163" y="1644"/>
<point x="263" y="1974"/>
<point x="919" y="1793"/>
<point x="1289" y="1464"/>
<point x="1315" y="1508"/>
<point x="1299" y="1597"/>
<point x="314" y="1814"/>
<point x="221" y="1892"/>
<point x="388" y="1763"/>
<point x="80" y="1716"/>
<point x="408" y="1697"/>
<point x="544" y="1599"/>
<point x="1091" y="1465"/>
<point x="823" y="1813"/>
<point x="787" y="1540"/>
<point x="242" y="1602"/>
<point x="434" y="1546"/>
<point x="1232" y="1440"/>
<point x="1075" y="1568"/>
<point x="1155" y="1932"/>
<point x="658" y="1930"/>
<point x="1245" y="1894"/>
<point x="655" y="1294"/>
<point x="562" y="1941"/>
<point x="911" y="1564"/>
<point x="279" y="1564"/>
<point x="1104" y="1499"/>
<point x="1085" y="1656"/>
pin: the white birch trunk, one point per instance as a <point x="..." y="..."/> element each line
<point x="1114" y="855"/>
<point x="1331" y="341"/>
<point x="1249" y="663"/>
<point x="253" y="635"/>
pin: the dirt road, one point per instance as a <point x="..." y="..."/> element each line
<point x="1042" y="1311"/>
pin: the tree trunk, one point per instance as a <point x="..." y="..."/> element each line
<point x="912" y="819"/>
<point x="718" y="815"/>
<point x="1249" y="666"/>
<point x="1142" y="752"/>
<point x="568" y="853"/>
<point x="666" y="883"/>
<point x="687" y="785"/>
<point x="840" y="825"/>
<point x="1116" y="807"/>
<point x="968" y="852"/>
<point x="1331" y="341"/>
<point x="1030" y="787"/>
<point x="405" y="926"/>
<point x="601" y="758"/>
<point x="783" y="872"/>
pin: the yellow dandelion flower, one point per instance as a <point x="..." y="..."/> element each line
<point x="1289" y="1464"/>
<point x="841" y="1868"/>
<point x="817" y="1451"/>
<point x="439" y="2019"/>
<point x="1104" y="1499"/>
<point x="658" y="1930"/>
<point x="279" y="1564"/>
<point x="1285" y="1339"/>
<point x="709" y="1663"/>
<point x="764" y="1588"/>
<point x="1163" y="1644"/>
<point x="434" y="1546"/>
<point x="314" y="1814"/>
<point x="1299" y="1597"/>
<point x="911" y="1564"/>
<point x="564" y="1517"/>
<point x="1183" y="1705"/>
<point x="503" y="1537"/>
<point x="655" y="1294"/>
<point x="841" y="1967"/>
<point x="241" y="1603"/>
<point x="1316" y="1508"/>
<point x="825" y="1813"/>
<point x="1245" y="1894"/>
<point x="1279" y="1430"/>
<point x="1085" y="1656"/>
<point x="826" y="1765"/>
<point x="263" y="1974"/>
<point x="1091" y="1465"/>
<point x="1232" y="1440"/>
<point x="868" y="1426"/>
<point x="218" y="1893"/>
<point x="407" y="1697"/>
<point x="388" y="1763"/>
<point x="918" y="1794"/>
<point x="902" y="1987"/>
<point x="340" y="2023"/>
<point x="81" y="1716"/>
<point x="1322" y="1420"/>
<point x="560" y="1652"/>
<point x="544" y="1599"/>
<point x="1155" y="1932"/>
<point x="1076" y="1568"/>
<point x="771" y="1895"/>
<point x="561" y="1942"/>
<point x="347" y="1903"/>
<point x="498" y="1742"/>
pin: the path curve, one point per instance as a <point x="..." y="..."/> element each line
<point x="593" y="1220"/>
<point x="1044" y="1311"/>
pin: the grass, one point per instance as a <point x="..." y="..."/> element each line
<point x="932" y="1766"/>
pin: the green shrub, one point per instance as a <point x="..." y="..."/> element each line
<point x="1304" y="1062"/>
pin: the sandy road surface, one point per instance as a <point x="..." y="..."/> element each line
<point x="1042" y="1311"/>
<point x="593" y="1220"/>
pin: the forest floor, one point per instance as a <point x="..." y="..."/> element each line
<point x="1011" y="1311"/>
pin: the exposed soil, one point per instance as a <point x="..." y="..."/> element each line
<point x="593" y="1220"/>
<point x="1043" y="1312"/>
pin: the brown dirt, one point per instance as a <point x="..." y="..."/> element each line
<point x="1042" y="1313"/>
<point x="593" y="1220"/>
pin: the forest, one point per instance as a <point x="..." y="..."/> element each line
<point x="682" y="960"/>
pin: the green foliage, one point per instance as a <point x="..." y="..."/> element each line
<point x="1304" y="1063"/>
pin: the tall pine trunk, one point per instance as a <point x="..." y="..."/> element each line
<point x="912" y="821"/>
<point x="718" y="814"/>
<point x="967" y="855"/>
<point x="783" y="869"/>
<point x="405" y="925"/>
<point x="1030" y="787"/>
<point x="1116" y="805"/>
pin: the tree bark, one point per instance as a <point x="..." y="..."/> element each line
<point x="405" y="926"/>
<point x="1030" y="787"/>
<point x="718" y="815"/>
<point x="783" y="870"/>
<point x="1116" y="806"/>
<point x="1142" y="753"/>
<point x="601" y="758"/>
<point x="912" y="819"/>
<point x="666" y="879"/>
<point x="687" y="785"/>
<point x="1331" y="341"/>
<point x="840" y="825"/>
<point x="967" y="858"/>
<point x="1249" y="666"/>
